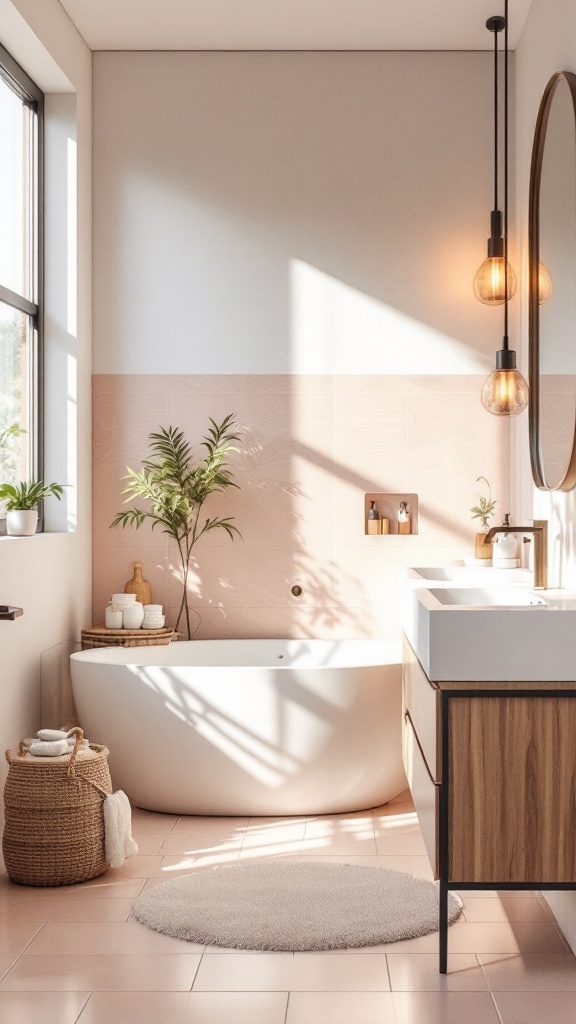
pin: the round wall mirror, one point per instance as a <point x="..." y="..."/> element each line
<point x="552" y="288"/>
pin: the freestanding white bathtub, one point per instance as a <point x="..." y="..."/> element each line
<point x="247" y="727"/>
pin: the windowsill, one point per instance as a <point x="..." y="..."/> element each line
<point x="35" y="536"/>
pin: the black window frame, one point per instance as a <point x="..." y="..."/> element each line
<point x="32" y="96"/>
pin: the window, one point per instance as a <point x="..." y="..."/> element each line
<point x="21" y="122"/>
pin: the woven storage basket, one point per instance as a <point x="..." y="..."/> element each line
<point x="99" y="636"/>
<point x="54" y="829"/>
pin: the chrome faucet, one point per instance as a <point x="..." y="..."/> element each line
<point x="540" y="531"/>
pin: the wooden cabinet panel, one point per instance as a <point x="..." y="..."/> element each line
<point x="512" y="789"/>
<point x="421" y="700"/>
<point x="424" y="792"/>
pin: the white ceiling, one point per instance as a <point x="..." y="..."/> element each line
<point x="291" y="24"/>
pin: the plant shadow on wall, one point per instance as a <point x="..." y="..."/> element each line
<point x="176" y="490"/>
<point x="275" y="472"/>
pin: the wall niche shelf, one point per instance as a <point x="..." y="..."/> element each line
<point x="387" y="506"/>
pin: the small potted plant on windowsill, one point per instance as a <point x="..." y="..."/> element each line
<point x="22" y="502"/>
<point x="483" y="511"/>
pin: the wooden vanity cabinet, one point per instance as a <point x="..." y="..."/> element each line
<point x="492" y="770"/>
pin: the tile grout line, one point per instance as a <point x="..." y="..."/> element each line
<point x="84" y="1005"/>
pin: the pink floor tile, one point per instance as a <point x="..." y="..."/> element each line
<point x="444" y="1008"/>
<point x="341" y="1008"/>
<point x="533" y="973"/>
<point x="418" y="972"/>
<point x="15" y="936"/>
<point x="6" y="962"/>
<point x="350" y="972"/>
<point x="419" y="866"/>
<point x="270" y="972"/>
<point x="411" y="845"/>
<point x="185" y="1008"/>
<point x="227" y="827"/>
<point x="519" y="937"/>
<point x="105" y="973"/>
<point x="536" y="1007"/>
<point x="113" y="884"/>
<point x="53" y="908"/>
<point x="140" y="866"/>
<point x="504" y="910"/>
<point x="195" y="844"/>
<point x="129" y="937"/>
<point x="41" y="1007"/>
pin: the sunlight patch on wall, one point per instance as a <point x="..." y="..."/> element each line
<point x="337" y="329"/>
<point x="72" y="230"/>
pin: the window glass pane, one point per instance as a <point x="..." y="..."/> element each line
<point x="16" y="123"/>
<point x="15" y="353"/>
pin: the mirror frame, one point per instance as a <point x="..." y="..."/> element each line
<point x="568" y="481"/>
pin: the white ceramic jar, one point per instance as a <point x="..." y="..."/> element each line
<point x="153" y="618"/>
<point x="114" y="619"/>
<point x="132" y="615"/>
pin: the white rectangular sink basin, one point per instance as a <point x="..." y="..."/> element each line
<point x="471" y="576"/>
<point x="492" y="634"/>
<point x="506" y="597"/>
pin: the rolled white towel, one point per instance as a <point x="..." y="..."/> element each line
<point x="118" y="841"/>
<point x="71" y="741"/>
<point x="52" y="734"/>
<point x="43" y="748"/>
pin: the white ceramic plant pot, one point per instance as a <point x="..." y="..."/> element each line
<point x="21" y="522"/>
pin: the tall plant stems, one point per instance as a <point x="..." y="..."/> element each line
<point x="176" y="490"/>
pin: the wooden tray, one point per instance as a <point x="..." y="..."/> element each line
<point x="99" y="636"/>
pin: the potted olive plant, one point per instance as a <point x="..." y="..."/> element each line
<point x="483" y="511"/>
<point x="22" y="500"/>
<point x="176" y="489"/>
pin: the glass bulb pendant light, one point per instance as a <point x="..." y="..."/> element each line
<point x="505" y="392"/>
<point x="495" y="281"/>
<point x="545" y="286"/>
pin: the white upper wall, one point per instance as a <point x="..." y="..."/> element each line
<point x="296" y="212"/>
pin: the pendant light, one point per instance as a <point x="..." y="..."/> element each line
<point x="505" y="392"/>
<point x="495" y="280"/>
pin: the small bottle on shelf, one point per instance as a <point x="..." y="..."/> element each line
<point x="374" y="523"/>
<point x="404" y="522"/>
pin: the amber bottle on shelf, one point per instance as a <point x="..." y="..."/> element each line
<point x="139" y="586"/>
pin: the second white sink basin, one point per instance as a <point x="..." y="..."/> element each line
<point x="506" y="597"/>
<point x="492" y="634"/>
<point x="470" y="576"/>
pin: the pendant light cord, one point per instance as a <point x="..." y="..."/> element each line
<point x="506" y="175"/>
<point x="495" y="120"/>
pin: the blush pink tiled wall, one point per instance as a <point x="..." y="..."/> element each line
<point x="313" y="445"/>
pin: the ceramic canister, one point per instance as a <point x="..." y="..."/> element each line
<point x="132" y="615"/>
<point x="114" y="618"/>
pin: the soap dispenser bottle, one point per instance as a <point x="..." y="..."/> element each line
<point x="505" y="549"/>
<point x="404" y="523"/>
<point x="373" y="523"/>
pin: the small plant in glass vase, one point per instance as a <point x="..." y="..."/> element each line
<point x="176" y="489"/>
<point x="484" y="511"/>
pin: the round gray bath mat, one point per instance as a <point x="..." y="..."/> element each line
<point x="292" y="905"/>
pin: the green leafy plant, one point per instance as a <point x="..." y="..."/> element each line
<point x="12" y="431"/>
<point x="176" y="490"/>
<point x="27" y="495"/>
<point x="484" y="510"/>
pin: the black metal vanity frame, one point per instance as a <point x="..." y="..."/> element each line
<point x="445" y="883"/>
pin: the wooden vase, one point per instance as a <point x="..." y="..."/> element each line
<point x="481" y="548"/>
<point x="139" y="586"/>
